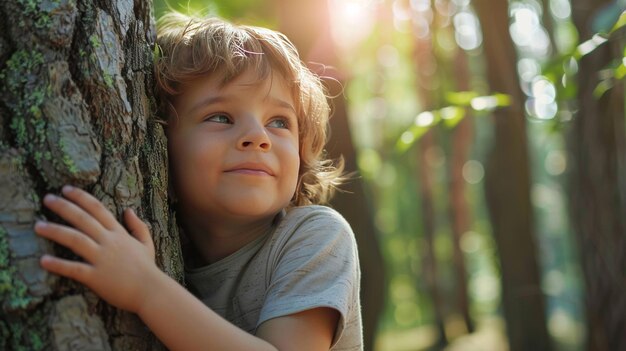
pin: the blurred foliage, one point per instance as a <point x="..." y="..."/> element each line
<point x="252" y="12"/>
<point x="450" y="115"/>
<point x="376" y="40"/>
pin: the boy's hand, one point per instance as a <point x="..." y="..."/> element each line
<point x="117" y="266"/>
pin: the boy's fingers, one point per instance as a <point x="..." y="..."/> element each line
<point x="71" y="269"/>
<point x="75" y="215"/>
<point x="137" y="227"/>
<point x="92" y="206"/>
<point x="79" y="243"/>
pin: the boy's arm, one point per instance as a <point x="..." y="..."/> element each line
<point x="121" y="270"/>
<point x="307" y="330"/>
<point x="182" y="322"/>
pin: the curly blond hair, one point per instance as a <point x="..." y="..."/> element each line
<point x="190" y="47"/>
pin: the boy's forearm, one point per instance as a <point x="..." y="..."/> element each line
<point x="183" y="322"/>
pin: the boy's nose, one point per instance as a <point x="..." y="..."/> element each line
<point x="254" y="138"/>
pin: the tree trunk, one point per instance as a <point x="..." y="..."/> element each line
<point x="508" y="189"/>
<point x="430" y="266"/>
<point x="426" y="68"/>
<point x="76" y="107"/>
<point x="597" y="142"/>
<point x="353" y="204"/>
<point x="460" y="212"/>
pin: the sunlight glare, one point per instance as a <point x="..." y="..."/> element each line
<point x="407" y="137"/>
<point x="421" y="27"/>
<point x="522" y="27"/>
<point x="445" y="8"/>
<point x="420" y="5"/>
<point x="528" y="69"/>
<point x="351" y="21"/>
<point x="555" y="162"/>
<point x="540" y="110"/>
<point x="542" y="101"/>
<point x="527" y="31"/>
<point x="424" y="119"/>
<point x="401" y="17"/>
<point x="470" y="242"/>
<point x="473" y="172"/>
<point x="400" y="12"/>
<point x="461" y="3"/>
<point x="560" y="9"/>
<point x="564" y="327"/>
<point x="590" y="45"/>
<point x="543" y="90"/>
<point x="485" y="287"/>
<point x="483" y="103"/>
<point x="467" y="30"/>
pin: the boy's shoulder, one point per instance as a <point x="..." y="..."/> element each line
<point x="314" y="223"/>
<point x="313" y="215"/>
<point x="313" y="211"/>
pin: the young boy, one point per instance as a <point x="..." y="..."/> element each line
<point x="266" y="266"/>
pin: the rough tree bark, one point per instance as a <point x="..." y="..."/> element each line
<point x="76" y="107"/>
<point x="597" y="144"/>
<point x="508" y="182"/>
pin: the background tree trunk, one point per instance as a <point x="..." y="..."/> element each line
<point x="508" y="182"/>
<point x="597" y="142"/>
<point x="430" y="265"/>
<point x="460" y="212"/>
<point x="76" y="107"/>
<point x="426" y="70"/>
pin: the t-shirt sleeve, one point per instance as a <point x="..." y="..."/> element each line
<point x="315" y="265"/>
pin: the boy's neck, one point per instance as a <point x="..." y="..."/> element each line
<point x="214" y="239"/>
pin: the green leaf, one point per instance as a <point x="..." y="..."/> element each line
<point x="602" y="88"/>
<point x="490" y="102"/>
<point x="621" y="22"/>
<point x="410" y="137"/>
<point x="568" y="92"/>
<point x="461" y="98"/>
<point x="423" y="122"/>
<point x="620" y="71"/>
<point x="503" y="99"/>
<point x="589" y="46"/>
<point x="452" y="115"/>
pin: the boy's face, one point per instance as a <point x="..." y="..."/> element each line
<point x="234" y="149"/>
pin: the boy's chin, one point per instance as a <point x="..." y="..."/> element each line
<point x="256" y="208"/>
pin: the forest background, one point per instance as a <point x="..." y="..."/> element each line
<point x="488" y="139"/>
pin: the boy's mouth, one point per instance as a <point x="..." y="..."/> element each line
<point x="251" y="168"/>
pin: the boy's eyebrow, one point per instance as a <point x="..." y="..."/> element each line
<point x="208" y="101"/>
<point x="220" y="98"/>
<point x="282" y="103"/>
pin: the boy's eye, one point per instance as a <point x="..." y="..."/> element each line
<point x="279" y="123"/>
<point x="219" y="118"/>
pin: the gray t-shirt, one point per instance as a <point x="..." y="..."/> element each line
<point x="310" y="260"/>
